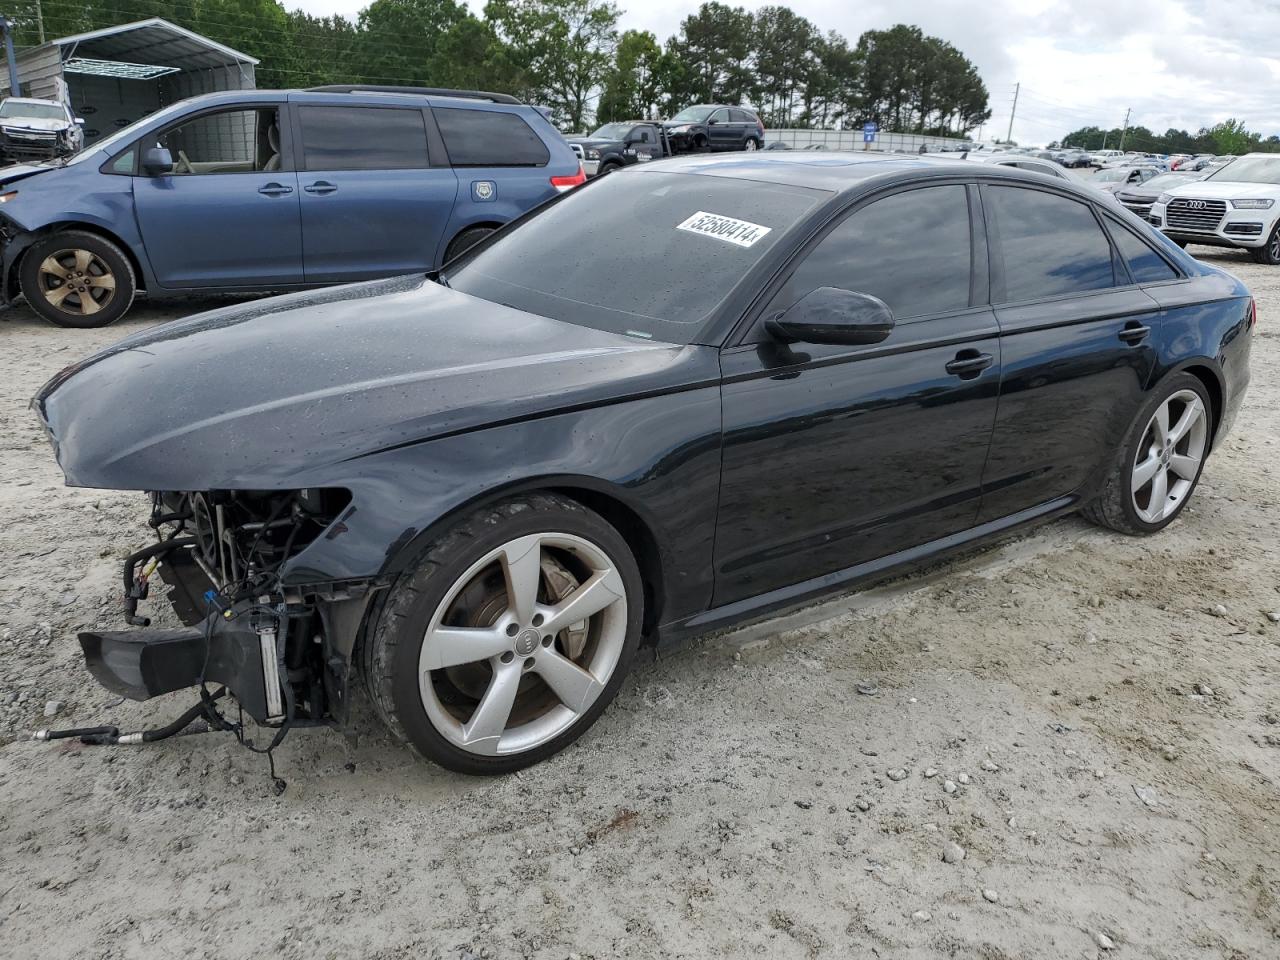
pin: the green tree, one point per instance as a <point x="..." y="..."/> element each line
<point x="640" y="80"/>
<point x="714" y="45"/>
<point x="561" y="50"/>
<point x="399" y="38"/>
<point x="785" y="60"/>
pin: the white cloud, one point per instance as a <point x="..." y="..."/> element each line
<point x="1173" y="63"/>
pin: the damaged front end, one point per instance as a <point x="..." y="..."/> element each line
<point x="282" y="651"/>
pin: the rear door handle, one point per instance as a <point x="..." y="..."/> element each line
<point x="1134" y="332"/>
<point x="275" y="190"/>
<point x="320" y="186"/>
<point x="969" y="363"/>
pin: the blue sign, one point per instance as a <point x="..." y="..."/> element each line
<point x="869" y="130"/>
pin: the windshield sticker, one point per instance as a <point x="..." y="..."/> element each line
<point x="738" y="232"/>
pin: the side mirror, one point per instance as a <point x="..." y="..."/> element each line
<point x="157" y="161"/>
<point x="80" y="120"/>
<point x="832" y="315"/>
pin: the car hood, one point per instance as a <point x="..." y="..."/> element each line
<point x="20" y="171"/>
<point x="1225" y="190"/>
<point x="33" y="123"/>
<point x="593" y="143"/>
<point x="260" y="395"/>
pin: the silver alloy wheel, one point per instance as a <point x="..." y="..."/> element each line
<point x="751" y="144"/>
<point x="77" y="282"/>
<point x="537" y="679"/>
<point x="1274" y="244"/>
<point x="1169" y="456"/>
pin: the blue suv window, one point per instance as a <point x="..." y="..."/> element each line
<point x="487" y="138"/>
<point x="363" y="138"/>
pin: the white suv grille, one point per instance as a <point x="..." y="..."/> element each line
<point x="1201" y="216"/>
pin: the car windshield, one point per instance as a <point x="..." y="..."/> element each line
<point x="666" y="250"/>
<point x="1250" y="170"/>
<point x="612" y="131"/>
<point x="1166" y="181"/>
<point x="693" y="114"/>
<point x="34" y="111"/>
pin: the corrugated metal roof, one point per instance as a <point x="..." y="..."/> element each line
<point x="154" y="41"/>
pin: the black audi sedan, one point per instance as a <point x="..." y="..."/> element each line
<point x="674" y="399"/>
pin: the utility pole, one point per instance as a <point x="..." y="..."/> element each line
<point x="1017" y="87"/>
<point x="6" y="28"/>
<point x="40" y="21"/>
<point x="1125" y="130"/>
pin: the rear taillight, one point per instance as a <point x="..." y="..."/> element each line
<point x="568" y="183"/>
<point x="1253" y="313"/>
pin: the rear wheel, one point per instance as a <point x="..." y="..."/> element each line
<point x="465" y="241"/>
<point x="509" y="637"/>
<point x="751" y="144"/>
<point x="1270" y="253"/>
<point x="608" y="168"/>
<point x="77" y="279"/>
<point x="1159" y="463"/>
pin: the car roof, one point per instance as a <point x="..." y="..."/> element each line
<point x="842" y="173"/>
<point x="31" y="100"/>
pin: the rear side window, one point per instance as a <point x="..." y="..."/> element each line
<point x="1145" y="264"/>
<point x="878" y="250"/>
<point x="363" y="138"/>
<point x="487" y="138"/>
<point x="741" y="116"/>
<point x="1051" y="245"/>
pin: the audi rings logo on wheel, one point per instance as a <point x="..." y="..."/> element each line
<point x="1197" y="204"/>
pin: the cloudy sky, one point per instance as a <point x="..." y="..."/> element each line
<point x="1176" y="63"/>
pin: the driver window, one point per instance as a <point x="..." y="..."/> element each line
<point x="878" y="250"/>
<point x="234" y="141"/>
<point x="720" y="116"/>
<point x="646" y="137"/>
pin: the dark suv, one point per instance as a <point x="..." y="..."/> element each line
<point x="705" y="127"/>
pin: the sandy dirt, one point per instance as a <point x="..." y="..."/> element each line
<point x="1111" y="746"/>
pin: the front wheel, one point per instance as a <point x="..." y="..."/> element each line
<point x="77" y="279"/>
<point x="509" y="637"/>
<point x="1159" y="463"/>
<point x="751" y="144"/>
<point x="1270" y="253"/>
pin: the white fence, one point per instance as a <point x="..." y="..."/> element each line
<point x="852" y="140"/>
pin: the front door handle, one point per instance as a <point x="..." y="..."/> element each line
<point x="275" y="190"/>
<point x="1134" y="332"/>
<point x="969" y="363"/>
<point x="320" y="186"/>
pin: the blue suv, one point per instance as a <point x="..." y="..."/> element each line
<point x="273" y="190"/>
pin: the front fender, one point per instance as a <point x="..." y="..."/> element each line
<point x="659" y="457"/>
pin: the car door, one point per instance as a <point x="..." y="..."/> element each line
<point x="644" y="141"/>
<point x="1076" y="340"/>
<point x="835" y="456"/>
<point x="226" y="213"/>
<point x="721" y="134"/>
<point x="373" y="203"/>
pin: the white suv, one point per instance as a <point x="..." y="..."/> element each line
<point x="1236" y="206"/>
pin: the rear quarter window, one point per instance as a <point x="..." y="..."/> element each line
<point x="1051" y="245"/>
<point x="1145" y="264"/>
<point x="488" y="138"/>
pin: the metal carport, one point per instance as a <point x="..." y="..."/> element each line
<point x="114" y="76"/>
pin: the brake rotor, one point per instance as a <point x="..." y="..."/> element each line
<point x="484" y="600"/>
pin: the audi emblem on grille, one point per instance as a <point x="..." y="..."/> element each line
<point x="1196" y="204"/>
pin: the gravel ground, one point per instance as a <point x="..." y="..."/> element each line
<point x="1065" y="746"/>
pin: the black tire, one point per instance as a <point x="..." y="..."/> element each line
<point x="68" y="248"/>
<point x="607" y="168"/>
<point x="1270" y="252"/>
<point x="391" y="652"/>
<point x="701" y="145"/>
<point x="752" y="143"/>
<point x="1114" y="506"/>
<point x="465" y="241"/>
